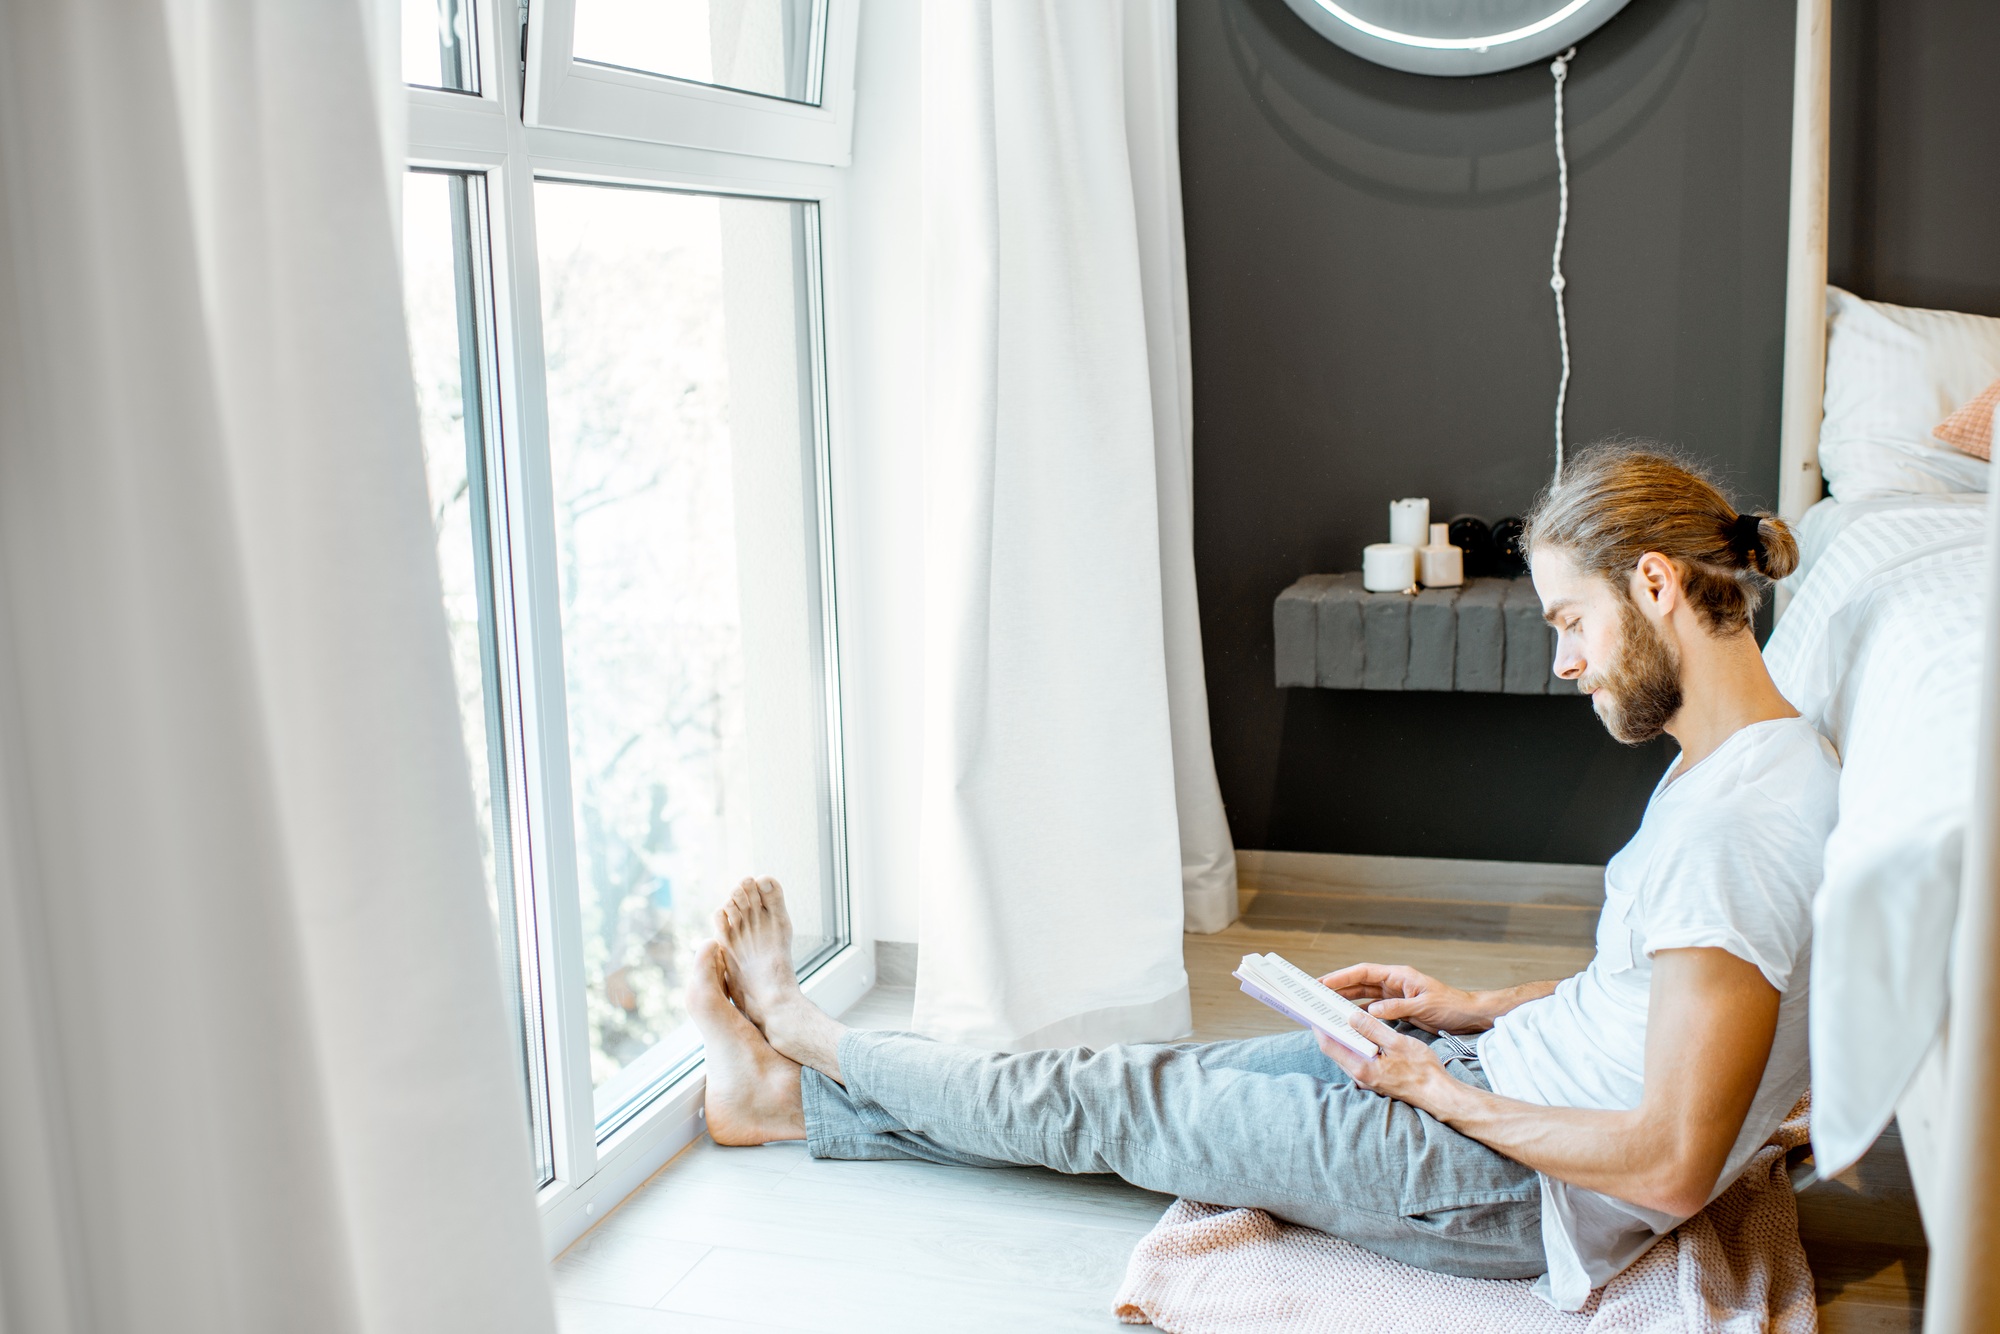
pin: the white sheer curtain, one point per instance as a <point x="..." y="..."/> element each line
<point x="1071" y="822"/>
<point x="254" y="1066"/>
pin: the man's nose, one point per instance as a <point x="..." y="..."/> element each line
<point x="1570" y="663"/>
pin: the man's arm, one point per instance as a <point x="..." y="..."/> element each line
<point x="1710" y="1021"/>
<point x="1393" y="991"/>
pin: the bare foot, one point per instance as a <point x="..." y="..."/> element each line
<point x="755" y="933"/>
<point x="753" y="1092"/>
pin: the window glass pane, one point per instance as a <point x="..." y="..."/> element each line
<point x="684" y="445"/>
<point x="444" y="258"/>
<point x="770" y="47"/>
<point x="437" y="45"/>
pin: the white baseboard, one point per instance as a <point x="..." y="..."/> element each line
<point x="1437" y="878"/>
<point x="630" y="1158"/>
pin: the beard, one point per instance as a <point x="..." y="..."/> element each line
<point x="1641" y="686"/>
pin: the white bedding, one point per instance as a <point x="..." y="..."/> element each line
<point x="1880" y="648"/>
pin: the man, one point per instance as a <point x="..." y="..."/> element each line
<point x="1584" y="1119"/>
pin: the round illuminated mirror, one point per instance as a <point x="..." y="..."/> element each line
<point x="1455" y="36"/>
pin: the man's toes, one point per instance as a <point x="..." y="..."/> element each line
<point x="723" y="926"/>
<point x="774" y="896"/>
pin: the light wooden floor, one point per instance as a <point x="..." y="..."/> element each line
<point x="768" y="1239"/>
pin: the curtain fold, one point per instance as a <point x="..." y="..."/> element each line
<point x="1152" y="98"/>
<point x="1070" y="823"/>
<point x="251" y="1011"/>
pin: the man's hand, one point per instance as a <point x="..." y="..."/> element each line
<point x="1404" y="1068"/>
<point x="1393" y="991"/>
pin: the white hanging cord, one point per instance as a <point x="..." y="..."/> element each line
<point x="1560" y="68"/>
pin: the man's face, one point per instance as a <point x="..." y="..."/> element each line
<point x="1628" y="666"/>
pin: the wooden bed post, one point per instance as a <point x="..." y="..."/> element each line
<point x="1805" y="264"/>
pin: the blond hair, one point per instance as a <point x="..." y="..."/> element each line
<point x="1616" y="502"/>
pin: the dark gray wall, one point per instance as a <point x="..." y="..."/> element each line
<point x="1915" y="208"/>
<point x="1368" y="259"/>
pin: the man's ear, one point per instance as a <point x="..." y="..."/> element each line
<point x="1656" y="586"/>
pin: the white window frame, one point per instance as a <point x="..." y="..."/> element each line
<point x="484" y="134"/>
<point x="564" y="93"/>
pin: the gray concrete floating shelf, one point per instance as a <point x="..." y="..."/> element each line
<point x="1486" y="636"/>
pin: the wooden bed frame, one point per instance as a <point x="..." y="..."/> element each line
<point x="1805" y="263"/>
<point x="1950" y="1116"/>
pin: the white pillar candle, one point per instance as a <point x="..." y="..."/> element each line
<point x="1409" y="521"/>
<point x="1388" y="567"/>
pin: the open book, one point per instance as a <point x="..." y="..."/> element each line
<point x="1298" y="996"/>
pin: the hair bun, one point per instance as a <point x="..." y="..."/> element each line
<point x="1775" y="552"/>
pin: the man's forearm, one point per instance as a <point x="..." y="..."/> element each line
<point x="1492" y="1004"/>
<point x="1614" y="1152"/>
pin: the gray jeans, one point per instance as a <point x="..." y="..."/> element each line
<point x="1267" y="1122"/>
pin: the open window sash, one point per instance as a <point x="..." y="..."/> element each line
<point x="799" y="106"/>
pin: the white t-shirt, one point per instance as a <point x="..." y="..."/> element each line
<point x="1727" y="856"/>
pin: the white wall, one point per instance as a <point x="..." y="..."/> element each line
<point x="880" y="464"/>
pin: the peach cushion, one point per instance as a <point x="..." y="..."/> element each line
<point x="1970" y="429"/>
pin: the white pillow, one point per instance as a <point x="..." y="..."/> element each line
<point x="1892" y="374"/>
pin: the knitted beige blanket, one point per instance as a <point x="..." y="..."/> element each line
<point x="1735" y="1266"/>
